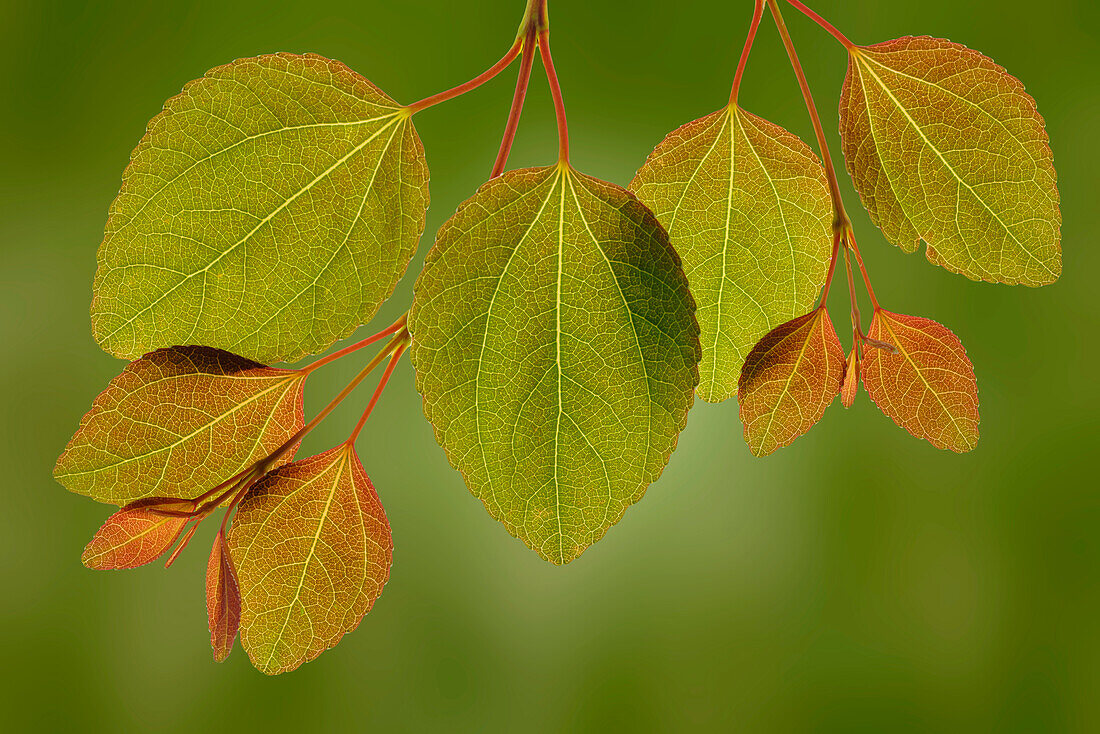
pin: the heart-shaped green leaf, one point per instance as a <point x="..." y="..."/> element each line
<point x="556" y="349"/>
<point x="269" y="210"/>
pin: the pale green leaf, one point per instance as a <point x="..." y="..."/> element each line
<point x="746" y="205"/>
<point x="269" y="210"/>
<point x="556" y="349"/>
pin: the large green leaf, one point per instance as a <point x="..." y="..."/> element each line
<point x="556" y="349"/>
<point x="746" y="205"/>
<point x="269" y="210"/>
<point x="944" y="146"/>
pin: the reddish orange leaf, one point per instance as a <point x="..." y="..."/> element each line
<point x="928" y="385"/>
<point x="179" y="421"/>
<point x="788" y="380"/>
<point x="223" y="599"/>
<point x="312" y="550"/>
<point x="850" y="386"/>
<point x="132" y="537"/>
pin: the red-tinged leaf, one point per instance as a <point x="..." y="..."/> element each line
<point x="132" y="537"/>
<point x="850" y="385"/>
<point x="788" y="380"/>
<point x="312" y="550"/>
<point x="179" y="421"/>
<point x="223" y="599"/>
<point x="928" y="386"/>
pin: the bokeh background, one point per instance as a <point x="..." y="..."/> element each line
<point x="859" y="580"/>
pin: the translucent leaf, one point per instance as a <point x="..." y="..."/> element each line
<point x="555" y="346"/>
<point x="269" y="210"/>
<point x="928" y="386"/>
<point x="178" y="422"/>
<point x="788" y="381"/>
<point x="944" y="146"/>
<point x="746" y="206"/>
<point x="312" y="550"/>
<point x="223" y="599"/>
<point x="850" y="385"/>
<point x="132" y="537"/>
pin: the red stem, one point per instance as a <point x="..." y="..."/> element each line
<point x="862" y="269"/>
<point x="528" y="60"/>
<point x="377" y="393"/>
<point x="823" y="23"/>
<point x="839" y="215"/>
<point x="857" y="327"/>
<point x="832" y="269"/>
<point x="555" y="92"/>
<point x="395" y="327"/>
<point x="474" y="83"/>
<point x="757" y="14"/>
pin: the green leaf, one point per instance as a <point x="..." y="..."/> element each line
<point x="312" y="550"/>
<point x="269" y="210"/>
<point x="556" y="348"/>
<point x="178" y="422"/>
<point x="945" y="146"/>
<point x="746" y="205"/>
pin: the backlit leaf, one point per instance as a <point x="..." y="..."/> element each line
<point x="788" y="381"/>
<point x="312" y="550"/>
<point x="928" y="386"/>
<point x="945" y="146"/>
<point x="223" y="599"/>
<point x="132" y="537"/>
<point x="555" y="346"/>
<point x="269" y="210"/>
<point x="746" y="206"/>
<point x="850" y="385"/>
<point x="178" y="422"/>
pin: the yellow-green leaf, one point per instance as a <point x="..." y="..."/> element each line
<point x="746" y="205"/>
<point x="312" y="550"/>
<point x="269" y="210"/>
<point x="178" y="422"/>
<point x="945" y="146"/>
<point x="556" y="349"/>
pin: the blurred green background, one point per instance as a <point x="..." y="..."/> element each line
<point x="859" y="580"/>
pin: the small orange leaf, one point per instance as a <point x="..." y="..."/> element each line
<point x="132" y="537"/>
<point x="788" y="380"/>
<point x="928" y="385"/>
<point x="223" y="599"/>
<point x="312" y="551"/>
<point x="850" y="386"/>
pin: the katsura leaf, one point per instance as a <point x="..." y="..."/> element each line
<point x="178" y="422"/>
<point x="788" y="381"/>
<point x="223" y="599"/>
<point x="269" y="210"/>
<point x="555" y="346"/>
<point x="945" y="146"/>
<point x="132" y="537"/>
<point x="928" y="386"/>
<point x="312" y="550"/>
<point x="850" y="385"/>
<point x="746" y="206"/>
